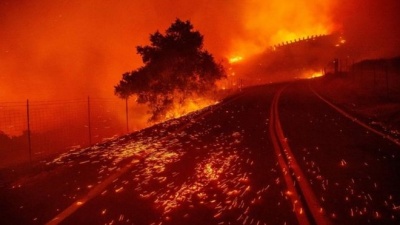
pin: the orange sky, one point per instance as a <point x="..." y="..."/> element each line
<point x="63" y="49"/>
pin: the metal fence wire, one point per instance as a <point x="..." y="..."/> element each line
<point x="32" y="130"/>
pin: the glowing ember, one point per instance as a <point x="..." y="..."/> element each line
<point x="341" y="41"/>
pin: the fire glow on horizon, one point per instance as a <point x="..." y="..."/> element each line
<point x="71" y="49"/>
<point x="50" y="45"/>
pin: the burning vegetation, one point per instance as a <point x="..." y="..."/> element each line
<point x="300" y="58"/>
<point x="176" y="69"/>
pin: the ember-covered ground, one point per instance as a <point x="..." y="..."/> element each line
<point x="217" y="166"/>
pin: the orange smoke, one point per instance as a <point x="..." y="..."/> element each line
<point x="267" y="23"/>
<point x="72" y="49"/>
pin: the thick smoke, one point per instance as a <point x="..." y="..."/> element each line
<point x="68" y="48"/>
<point x="267" y="23"/>
<point x="371" y="27"/>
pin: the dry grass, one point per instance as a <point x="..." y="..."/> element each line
<point x="371" y="99"/>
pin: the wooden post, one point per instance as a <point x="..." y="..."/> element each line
<point x="89" y="123"/>
<point x="374" y="85"/>
<point x="387" y="79"/>
<point x="127" y="113"/>
<point x="29" y="131"/>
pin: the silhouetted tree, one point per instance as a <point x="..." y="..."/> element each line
<point x="175" y="68"/>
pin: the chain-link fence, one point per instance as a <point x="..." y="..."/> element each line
<point x="380" y="76"/>
<point x="32" y="130"/>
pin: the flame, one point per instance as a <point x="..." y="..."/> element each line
<point x="267" y="23"/>
<point x="189" y="106"/>
<point x="315" y="75"/>
<point x="235" y="59"/>
<point x="33" y="45"/>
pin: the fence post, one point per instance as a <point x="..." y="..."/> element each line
<point x="29" y="131"/>
<point x="127" y="113"/>
<point x="89" y="124"/>
<point x="361" y="73"/>
<point x="387" y="79"/>
<point x="375" y="89"/>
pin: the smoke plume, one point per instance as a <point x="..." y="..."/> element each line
<point x="68" y="48"/>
